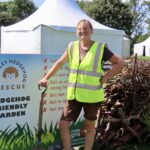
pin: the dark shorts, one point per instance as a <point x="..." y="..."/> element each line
<point x="73" y="108"/>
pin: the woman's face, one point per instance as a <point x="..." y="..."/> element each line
<point x="84" y="31"/>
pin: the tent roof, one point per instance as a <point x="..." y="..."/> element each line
<point x="146" y="42"/>
<point x="58" y="14"/>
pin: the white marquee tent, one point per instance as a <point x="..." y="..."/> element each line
<point x="142" y="48"/>
<point x="126" y="47"/>
<point x="52" y="27"/>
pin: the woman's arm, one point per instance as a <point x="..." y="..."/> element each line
<point x="58" y="64"/>
<point x="117" y="63"/>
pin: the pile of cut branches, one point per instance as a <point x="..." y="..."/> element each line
<point x="124" y="117"/>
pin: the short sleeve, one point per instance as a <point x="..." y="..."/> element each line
<point x="107" y="54"/>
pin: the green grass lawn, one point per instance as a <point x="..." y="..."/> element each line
<point x="144" y="57"/>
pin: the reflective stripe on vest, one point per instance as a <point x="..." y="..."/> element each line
<point x="83" y="72"/>
<point x="90" y="87"/>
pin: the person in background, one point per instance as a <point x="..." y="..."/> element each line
<point x="85" y="91"/>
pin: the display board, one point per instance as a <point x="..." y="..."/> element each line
<point x="20" y="100"/>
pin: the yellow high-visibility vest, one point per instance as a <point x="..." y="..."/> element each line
<point x="84" y="78"/>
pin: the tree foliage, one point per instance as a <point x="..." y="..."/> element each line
<point x="6" y="17"/>
<point x="14" y="11"/>
<point x="142" y="38"/>
<point x="23" y="8"/>
<point x="112" y="13"/>
<point x="130" y="17"/>
<point x="140" y="13"/>
<point x="148" y="15"/>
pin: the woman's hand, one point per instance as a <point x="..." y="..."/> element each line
<point x="102" y="80"/>
<point x="43" y="82"/>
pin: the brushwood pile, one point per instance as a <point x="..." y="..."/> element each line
<point x="124" y="117"/>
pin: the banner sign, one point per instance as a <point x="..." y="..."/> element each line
<point x="20" y="100"/>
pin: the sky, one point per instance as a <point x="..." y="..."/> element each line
<point x="38" y="3"/>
